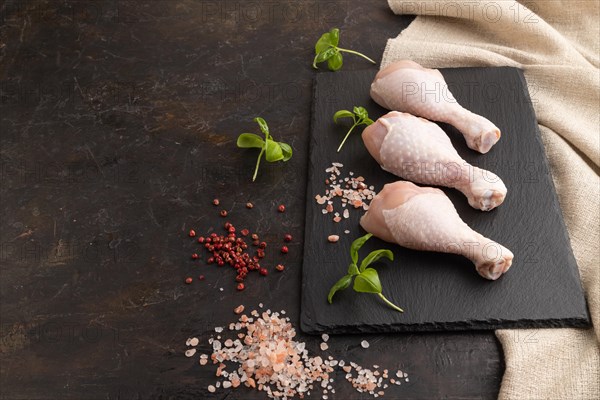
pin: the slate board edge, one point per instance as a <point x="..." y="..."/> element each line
<point x="306" y="301"/>
<point x="316" y="328"/>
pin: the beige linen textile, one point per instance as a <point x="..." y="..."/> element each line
<point x="556" y="43"/>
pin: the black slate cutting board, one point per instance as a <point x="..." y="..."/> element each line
<point x="441" y="291"/>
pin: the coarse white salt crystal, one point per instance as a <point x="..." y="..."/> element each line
<point x="219" y="329"/>
<point x="226" y="385"/>
<point x="399" y="374"/>
<point x="325" y="337"/>
<point x="203" y="361"/>
<point x="194" y="342"/>
<point x="260" y="305"/>
<point x="337" y="164"/>
<point x="324" y="211"/>
<point x="190" y="352"/>
<point x="218" y="384"/>
<point x="324" y="346"/>
<point x="212" y="389"/>
<point x="341" y="363"/>
<point x="364" y="344"/>
<point x="221" y="289"/>
<point x="346" y="231"/>
<point x="406" y="379"/>
<point x="405" y="374"/>
<point x="346" y="213"/>
<point x="333" y="238"/>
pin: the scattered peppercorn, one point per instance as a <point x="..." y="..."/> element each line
<point x="284" y="249"/>
<point x="245" y="232"/>
<point x="188" y="280"/>
<point x="201" y="277"/>
<point x="254" y="236"/>
<point x="249" y="205"/>
<point x="216" y="202"/>
<point x="201" y="239"/>
<point x="281" y="208"/>
<point x="195" y="256"/>
<point x="223" y="213"/>
<point x="279" y="267"/>
<point x="262" y="245"/>
<point x="192" y="233"/>
<point x="263" y="271"/>
<point x="287" y="237"/>
<point x="240" y="286"/>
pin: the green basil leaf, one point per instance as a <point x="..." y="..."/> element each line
<point x="368" y="121"/>
<point x="342" y="284"/>
<point x="342" y="114"/>
<point x="367" y="282"/>
<point x="361" y="112"/>
<point x="263" y="126"/>
<point x="273" y="151"/>
<point x="324" y="55"/>
<point x="335" y="61"/>
<point x="353" y="269"/>
<point x="334" y="36"/>
<point x="374" y="256"/>
<point x="356" y="245"/>
<point x="250" y="140"/>
<point x="286" y="149"/>
<point x="324" y="42"/>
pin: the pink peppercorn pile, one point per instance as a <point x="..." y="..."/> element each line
<point x="229" y="249"/>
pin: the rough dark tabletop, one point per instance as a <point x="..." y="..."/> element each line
<point x="118" y="122"/>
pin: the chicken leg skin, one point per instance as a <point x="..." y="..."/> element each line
<point x="423" y="218"/>
<point x="418" y="150"/>
<point x="408" y="87"/>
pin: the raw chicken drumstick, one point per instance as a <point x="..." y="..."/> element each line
<point x="407" y="86"/>
<point x="423" y="218"/>
<point x="418" y="150"/>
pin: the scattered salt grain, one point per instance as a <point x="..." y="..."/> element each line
<point x="190" y="352"/>
<point x="364" y="344"/>
<point x="325" y="337"/>
<point x="333" y="238"/>
<point x="212" y="389"/>
<point x="193" y="342"/>
<point x="239" y="309"/>
<point x="324" y="346"/>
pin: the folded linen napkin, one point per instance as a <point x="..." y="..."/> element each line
<point x="556" y="43"/>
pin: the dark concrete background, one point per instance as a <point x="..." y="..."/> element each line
<point x="118" y="123"/>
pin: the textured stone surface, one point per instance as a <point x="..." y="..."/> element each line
<point x="440" y="291"/>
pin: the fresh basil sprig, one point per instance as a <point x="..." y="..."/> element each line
<point x="366" y="280"/>
<point x="274" y="151"/>
<point x="360" y="116"/>
<point x="327" y="49"/>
